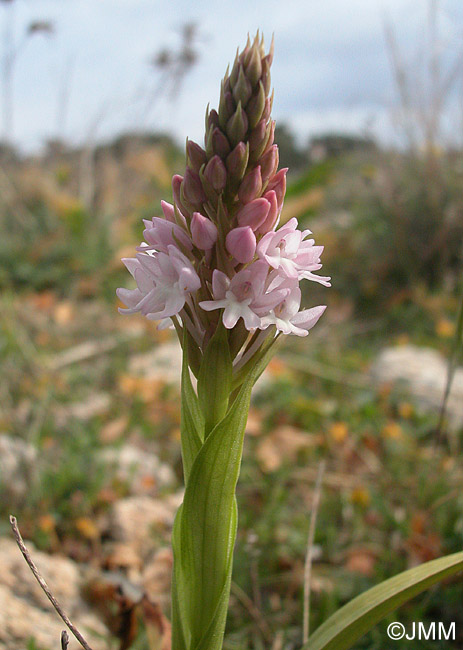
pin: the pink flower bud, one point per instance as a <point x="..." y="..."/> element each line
<point x="216" y="173"/>
<point x="177" y="181"/>
<point x="220" y="144"/>
<point x="257" y="135"/>
<point x="212" y="119"/>
<point x="241" y="243"/>
<point x="192" y="188"/>
<point x="272" y="215"/>
<point x="226" y="104"/>
<point x="268" y="107"/>
<point x="278" y="184"/>
<point x="168" y="210"/>
<point x="269" y="162"/>
<point x="196" y="155"/>
<point x="237" y="161"/>
<point x="254" y="214"/>
<point x="203" y="231"/>
<point x="251" y="186"/>
<point x="271" y="134"/>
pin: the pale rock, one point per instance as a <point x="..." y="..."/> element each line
<point x="25" y="611"/>
<point x="157" y="577"/>
<point x="423" y="371"/>
<point x="17" y="465"/>
<point x="140" y="469"/>
<point x="139" y="520"/>
<point x="163" y="363"/>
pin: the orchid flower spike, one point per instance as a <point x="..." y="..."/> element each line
<point x="216" y="255"/>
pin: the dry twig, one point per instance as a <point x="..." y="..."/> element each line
<point x="256" y="614"/>
<point x="46" y="589"/>
<point x="64" y="640"/>
<point x="309" y="554"/>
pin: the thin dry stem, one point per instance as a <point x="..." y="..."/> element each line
<point x="309" y="554"/>
<point x="46" y="589"/>
<point x="253" y="610"/>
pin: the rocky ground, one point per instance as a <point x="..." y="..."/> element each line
<point x="132" y="539"/>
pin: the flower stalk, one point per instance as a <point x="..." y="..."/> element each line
<point x="216" y="268"/>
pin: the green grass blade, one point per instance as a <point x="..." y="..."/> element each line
<point x="356" y="618"/>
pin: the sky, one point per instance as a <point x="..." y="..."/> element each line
<point x="92" y="78"/>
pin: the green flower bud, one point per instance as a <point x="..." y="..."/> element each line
<point x="254" y="66"/>
<point x="265" y="77"/>
<point x="235" y="70"/>
<point x="256" y="105"/>
<point x="242" y="90"/>
<point x="226" y="107"/>
<point x="237" y="125"/>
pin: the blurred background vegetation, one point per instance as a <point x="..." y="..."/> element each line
<point x="86" y="395"/>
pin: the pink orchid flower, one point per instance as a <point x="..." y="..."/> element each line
<point x="164" y="282"/>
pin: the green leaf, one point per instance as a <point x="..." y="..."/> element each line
<point x="261" y="359"/>
<point x="192" y="421"/>
<point x="214" y="381"/>
<point x="356" y="618"/>
<point x="178" y="591"/>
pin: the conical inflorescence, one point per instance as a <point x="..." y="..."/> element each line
<point x="216" y="253"/>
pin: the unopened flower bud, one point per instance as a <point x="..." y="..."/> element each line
<point x="271" y="134"/>
<point x="251" y="186"/>
<point x="254" y="66"/>
<point x="237" y="125"/>
<point x="216" y="173"/>
<point x="169" y="211"/>
<point x="235" y="70"/>
<point x="254" y="214"/>
<point x="203" y="231"/>
<point x="177" y="182"/>
<point x="242" y="90"/>
<point x="265" y="77"/>
<point x="272" y="215"/>
<point x="257" y="148"/>
<point x="196" y="156"/>
<point x="278" y="184"/>
<point x="212" y="120"/>
<point x="256" y="106"/>
<point x="257" y="136"/>
<point x="237" y="161"/>
<point x="226" y="106"/>
<point x="219" y="144"/>
<point x="241" y="243"/>
<point x="269" y="162"/>
<point x="267" y="106"/>
<point x="192" y="188"/>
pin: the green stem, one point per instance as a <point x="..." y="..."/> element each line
<point x="205" y="527"/>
